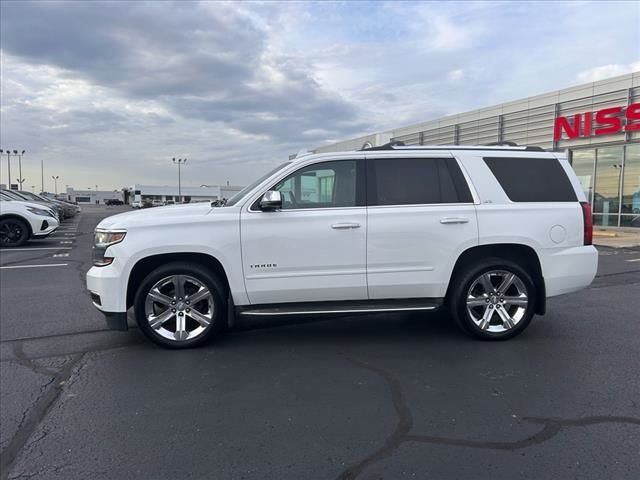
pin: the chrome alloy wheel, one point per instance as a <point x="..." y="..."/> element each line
<point x="497" y="301"/>
<point x="179" y="307"/>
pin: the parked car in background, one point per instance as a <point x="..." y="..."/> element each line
<point x="69" y="209"/>
<point x="489" y="232"/>
<point x="33" y="197"/>
<point x="135" y="204"/>
<point x="113" y="201"/>
<point x="21" y="221"/>
<point x="21" y="197"/>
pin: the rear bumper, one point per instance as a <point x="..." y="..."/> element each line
<point x="568" y="270"/>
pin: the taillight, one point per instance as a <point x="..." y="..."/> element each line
<point x="587" y="218"/>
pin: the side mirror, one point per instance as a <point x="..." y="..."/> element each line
<point x="271" y="200"/>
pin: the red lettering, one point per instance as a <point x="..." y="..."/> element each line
<point x="562" y="123"/>
<point x="633" y="118"/>
<point x="586" y="125"/>
<point x="608" y="116"/>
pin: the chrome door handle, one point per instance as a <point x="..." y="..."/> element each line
<point x="342" y="226"/>
<point x="454" y="220"/>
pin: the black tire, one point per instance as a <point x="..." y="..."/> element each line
<point x="463" y="314"/>
<point x="215" y="286"/>
<point x="14" y="232"/>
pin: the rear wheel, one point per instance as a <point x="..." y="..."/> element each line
<point x="180" y="305"/>
<point x="13" y="232"/>
<point x="493" y="299"/>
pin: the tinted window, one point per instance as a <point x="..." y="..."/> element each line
<point x="532" y="179"/>
<point x="322" y="185"/>
<point x="415" y="181"/>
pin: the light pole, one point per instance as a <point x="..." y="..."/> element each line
<point x="8" y="152"/>
<point x="42" y="176"/>
<point x="179" y="162"/>
<point x="55" y="182"/>
<point x="20" y="166"/>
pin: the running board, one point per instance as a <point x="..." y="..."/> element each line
<point x="345" y="307"/>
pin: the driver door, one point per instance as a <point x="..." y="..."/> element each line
<point x="314" y="248"/>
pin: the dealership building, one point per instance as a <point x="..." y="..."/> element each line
<point x="167" y="193"/>
<point x="597" y="124"/>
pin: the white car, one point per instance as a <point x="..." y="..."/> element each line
<point x="136" y="204"/>
<point x="20" y="221"/>
<point x="490" y="232"/>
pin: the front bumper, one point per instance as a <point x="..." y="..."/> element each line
<point x="45" y="227"/>
<point x="108" y="294"/>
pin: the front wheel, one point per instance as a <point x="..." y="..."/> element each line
<point x="180" y="305"/>
<point x="494" y="299"/>
<point x="13" y="232"/>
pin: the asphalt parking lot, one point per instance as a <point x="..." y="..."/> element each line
<point x="368" y="397"/>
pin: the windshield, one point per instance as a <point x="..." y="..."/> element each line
<point x="12" y="194"/>
<point x="238" y="196"/>
<point x="31" y="196"/>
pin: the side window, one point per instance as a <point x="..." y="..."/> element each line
<point x="532" y="179"/>
<point x="415" y="181"/>
<point x="322" y="185"/>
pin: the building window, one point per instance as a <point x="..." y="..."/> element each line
<point x="631" y="188"/>
<point x="584" y="163"/>
<point x="606" y="198"/>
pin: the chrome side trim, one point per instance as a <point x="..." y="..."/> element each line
<point x="349" y="310"/>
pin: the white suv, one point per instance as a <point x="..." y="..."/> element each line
<point x="21" y="221"/>
<point x="490" y="232"/>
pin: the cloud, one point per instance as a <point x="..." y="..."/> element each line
<point x="607" y="71"/>
<point x="456" y="75"/>
<point x="199" y="62"/>
<point x="113" y="90"/>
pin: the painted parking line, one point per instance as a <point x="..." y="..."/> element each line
<point x="14" y="267"/>
<point x="634" y="260"/>
<point x="60" y="254"/>
<point x="34" y="248"/>
<point x="65" y="242"/>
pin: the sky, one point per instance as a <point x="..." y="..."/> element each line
<point x="107" y="93"/>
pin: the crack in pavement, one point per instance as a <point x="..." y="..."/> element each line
<point x="40" y="408"/>
<point x="401" y="433"/>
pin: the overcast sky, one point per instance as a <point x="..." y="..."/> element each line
<point x="107" y="93"/>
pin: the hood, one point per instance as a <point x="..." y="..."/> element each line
<point x="170" y="214"/>
<point x="9" y="203"/>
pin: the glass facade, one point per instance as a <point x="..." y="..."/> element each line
<point x="610" y="178"/>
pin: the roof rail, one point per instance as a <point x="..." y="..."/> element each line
<point x="387" y="146"/>
<point x="501" y="144"/>
<point x="490" y="146"/>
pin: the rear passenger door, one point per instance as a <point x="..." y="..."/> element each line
<point x="420" y="217"/>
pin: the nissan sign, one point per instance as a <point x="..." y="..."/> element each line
<point x="608" y="121"/>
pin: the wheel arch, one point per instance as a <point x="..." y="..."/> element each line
<point x="523" y="255"/>
<point x="146" y="265"/>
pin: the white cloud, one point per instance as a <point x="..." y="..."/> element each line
<point x="607" y="71"/>
<point x="456" y="75"/>
<point x="99" y="90"/>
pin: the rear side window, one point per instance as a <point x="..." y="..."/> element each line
<point x="532" y="179"/>
<point x="415" y="181"/>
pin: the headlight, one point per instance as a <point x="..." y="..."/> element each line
<point x="103" y="239"/>
<point x="40" y="211"/>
